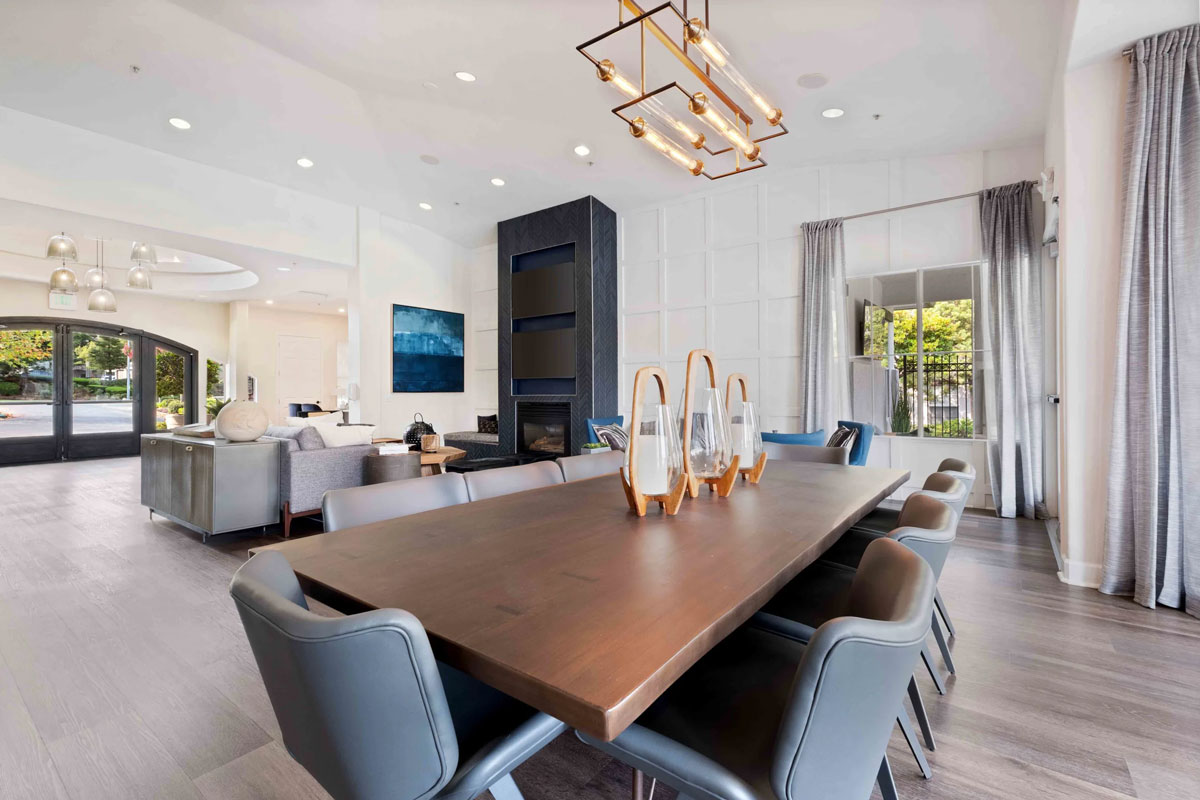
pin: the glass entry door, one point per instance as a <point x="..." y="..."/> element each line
<point x="103" y="402"/>
<point x="30" y="395"/>
<point x="73" y="389"/>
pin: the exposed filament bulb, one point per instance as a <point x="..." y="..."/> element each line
<point x="662" y="144"/>
<point x="608" y="73"/>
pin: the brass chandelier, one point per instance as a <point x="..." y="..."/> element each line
<point x="711" y="108"/>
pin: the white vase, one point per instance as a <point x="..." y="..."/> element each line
<point x="242" y="421"/>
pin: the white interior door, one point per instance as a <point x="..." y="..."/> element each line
<point x="300" y="372"/>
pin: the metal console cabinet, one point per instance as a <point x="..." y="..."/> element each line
<point x="211" y="485"/>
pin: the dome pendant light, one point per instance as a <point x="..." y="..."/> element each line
<point x="95" y="278"/>
<point x="101" y="300"/>
<point x="143" y="253"/>
<point x="139" y="278"/>
<point x="63" y="279"/>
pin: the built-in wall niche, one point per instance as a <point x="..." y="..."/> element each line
<point x="543" y="321"/>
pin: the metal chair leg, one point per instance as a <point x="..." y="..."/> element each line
<point x="887" y="786"/>
<point x="910" y="736"/>
<point x="914" y="695"/>
<point x="941" y="641"/>
<point x="506" y="789"/>
<point x="927" y="657"/>
<point x="941" y="607"/>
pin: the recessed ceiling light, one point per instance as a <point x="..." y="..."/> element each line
<point x="270" y="302"/>
<point x="182" y="124"/>
<point x="497" y="181"/>
<point x="582" y="150"/>
<point x="305" y="162"/>
<point x="832" y="113"/>
<point x="425" y="206"/>
<point x="465" y="76"/>
<point x="812" y="80"/>
<point x="428" y="159"/>
<point x="341" y="311"/>
<point x="284" y="269"/>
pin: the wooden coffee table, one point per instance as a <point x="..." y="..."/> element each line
<point x="436" y="458"/>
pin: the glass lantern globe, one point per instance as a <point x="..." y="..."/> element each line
<point x="708" y="447"/>
<point x="94" y="279"/>
<point x="63" y="280"/>
<point x="655" y="449"/>
<point x="745" y="432"/>
<point x="102" y="301"/>
<point x="139" y="278"/>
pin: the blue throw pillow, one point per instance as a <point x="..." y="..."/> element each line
<point x="602" y="421"/>
<point x="816" y="438"/>
<point x="862" y="443"/>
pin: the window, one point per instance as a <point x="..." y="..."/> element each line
<point x="917" y="368"/>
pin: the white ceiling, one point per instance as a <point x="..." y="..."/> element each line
<point x="189" y="267"/>
<point x="264" y="82"/>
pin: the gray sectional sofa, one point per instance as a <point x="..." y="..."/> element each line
<point x="308" y="469"/>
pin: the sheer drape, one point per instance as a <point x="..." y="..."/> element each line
<point x="1011" y="283"/>
<point x="1153" y="535"/>
<point x="824" y="355"/>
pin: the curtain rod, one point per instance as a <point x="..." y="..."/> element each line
<point x="913" y="205"/>
<point x="910" y="205"/>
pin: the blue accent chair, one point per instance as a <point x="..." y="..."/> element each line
<point x="601" y="421"/>
<point x="814" y="439"/>
<point x="862" y="442"/>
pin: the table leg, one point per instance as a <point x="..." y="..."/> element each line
<point x="638" y="780"/>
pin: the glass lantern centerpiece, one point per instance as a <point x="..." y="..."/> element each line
<point x="744" y="428"/>
<point x="708" y="455"/>
<point x="653" y="467"/>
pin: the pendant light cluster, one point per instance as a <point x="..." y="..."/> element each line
<point x="61" y="248"/>
<point x="714" y="110"/>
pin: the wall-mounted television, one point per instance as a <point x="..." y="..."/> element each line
<point x="543" y="354"/>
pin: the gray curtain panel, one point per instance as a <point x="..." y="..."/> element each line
<point x="1012" y="272"/>
<point x="824" y="366"/>
<point x="1153" y="534"/>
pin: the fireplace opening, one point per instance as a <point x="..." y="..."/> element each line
<point x="544" y="428"/>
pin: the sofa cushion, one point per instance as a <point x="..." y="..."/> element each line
<point x="306" y="437"/>
<point x="345" y="435"/>
<point x="487" y="424"/>
<point x="324" y="419"/>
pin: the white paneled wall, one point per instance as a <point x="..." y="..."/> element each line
<point x="721" y="269"/>
<point x="483" y="328"/>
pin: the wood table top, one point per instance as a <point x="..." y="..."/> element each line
<point x="441" y="455"/>
<point x="564" y="599"/>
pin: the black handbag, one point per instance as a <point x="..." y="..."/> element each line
<point x="418" y="429"/>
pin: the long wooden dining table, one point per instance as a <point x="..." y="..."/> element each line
<point x="565" y="600"/>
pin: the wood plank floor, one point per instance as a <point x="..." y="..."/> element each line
<point x="124" y="672"/>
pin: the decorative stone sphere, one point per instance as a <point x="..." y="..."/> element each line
<point x="242" y="421"/>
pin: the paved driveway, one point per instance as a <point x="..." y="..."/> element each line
<point x="36" y="420"/>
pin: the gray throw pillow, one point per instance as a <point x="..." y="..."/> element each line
<point x="612" y="435"/>
<point x="309" y="438"/>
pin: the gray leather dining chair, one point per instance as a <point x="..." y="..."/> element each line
<point x="949" y="487"/>
<point x="766" y="714"/>
<point x="818" y="454"/>
<point x="960" y="469"/>
<point x="360" y="505"/>
<point x="365" y="708"/>
<point x="507" y="480"/>
<point x="822" y="592"/>
<point x="578" y="468"/>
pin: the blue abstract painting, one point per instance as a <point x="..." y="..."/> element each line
<point x="427" y="350"/>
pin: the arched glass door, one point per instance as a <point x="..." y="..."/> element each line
<point x="73" y="389"/>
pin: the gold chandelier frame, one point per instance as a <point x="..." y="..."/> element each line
<point x="643" y="20"/>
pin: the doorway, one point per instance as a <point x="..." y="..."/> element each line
<point x="74" y="389"/>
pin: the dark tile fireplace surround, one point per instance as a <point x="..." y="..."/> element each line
<point x="557" y="332"/>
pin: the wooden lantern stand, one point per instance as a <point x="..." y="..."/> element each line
<point x="754" y="472"/>
<point x="724" y="484"/>
<point x="671" y="501"/>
